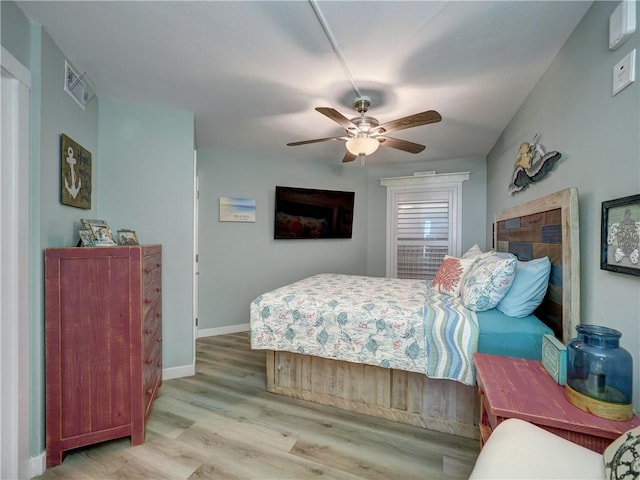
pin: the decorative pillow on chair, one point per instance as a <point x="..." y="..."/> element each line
<point x="528" y="289"/>
<point x="622" y="458"/>
<point x="450" y="275"/>
<point x="488" y="282"/>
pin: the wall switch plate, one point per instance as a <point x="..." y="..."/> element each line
<point x="622" y="23"/>
<point x="624" y="72"/>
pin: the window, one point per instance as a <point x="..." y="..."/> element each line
<point x="424" y="219"/>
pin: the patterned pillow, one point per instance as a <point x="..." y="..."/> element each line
<point x="488" y="282"/>
<point x="449" y="276"/>
<point x="622" y="458"/>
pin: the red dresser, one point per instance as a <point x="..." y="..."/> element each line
<point x="103" y="342"/>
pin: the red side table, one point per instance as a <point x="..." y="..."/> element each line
<point x="518" y="388"/>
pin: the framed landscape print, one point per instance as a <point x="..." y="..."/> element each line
<point x="620" y="235"/>
<point x="75" y="174"/>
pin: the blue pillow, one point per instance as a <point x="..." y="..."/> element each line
<point x="528" y="289"/>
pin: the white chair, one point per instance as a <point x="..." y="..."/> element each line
<point x="520" y="450"/>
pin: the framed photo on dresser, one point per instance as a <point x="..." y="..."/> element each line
<point x="127" y="237"/>
<point x="101" y="232"/>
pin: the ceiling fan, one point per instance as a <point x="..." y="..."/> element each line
<point x="364" y="134"/>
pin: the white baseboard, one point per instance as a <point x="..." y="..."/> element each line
<point x="212" y="332"/>
<point x="37" y="465"/>
<point x="189" y="370"/>
<point x="178" y="372"/>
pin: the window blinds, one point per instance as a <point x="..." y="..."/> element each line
<point x="422" y="236"/>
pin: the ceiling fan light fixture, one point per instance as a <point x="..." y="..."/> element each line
<point x="362" y="145"/>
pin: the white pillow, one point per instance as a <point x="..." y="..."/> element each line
<point x="473" y="252"/>
<point x="488" y="282"/>
<point x="450" y="275"/>
<point x="528" y="289"/>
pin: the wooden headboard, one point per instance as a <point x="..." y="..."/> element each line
<point x="548" y="227"/>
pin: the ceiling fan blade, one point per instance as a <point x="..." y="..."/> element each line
<point x="348" y="157"/>
<point x="424" y="118"/>
<point x="403" y="145"/>
<point x="336" y="116"/>
<point x="316" y="140"/>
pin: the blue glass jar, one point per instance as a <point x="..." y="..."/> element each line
<point x="600" y="373"/>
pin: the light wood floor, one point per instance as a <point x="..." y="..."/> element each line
<point x="222" y="424"/>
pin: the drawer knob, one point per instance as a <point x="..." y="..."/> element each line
<point x="147" y="331"/>
<point x="279" y="367"/>
<point x="147" y="301"/>
<point x="160" y="340"/>
<point x="148" y="361"/>
<point x="149" y="392"/>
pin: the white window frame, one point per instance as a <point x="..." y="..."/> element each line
<point x="448" y="185"/>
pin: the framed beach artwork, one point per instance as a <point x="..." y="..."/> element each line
<point x="234" y="209"/>
<point x="620" y="235"/>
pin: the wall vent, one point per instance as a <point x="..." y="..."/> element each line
<point x="76" y="85"/>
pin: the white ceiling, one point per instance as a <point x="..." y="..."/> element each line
<point x="253" y="72"/>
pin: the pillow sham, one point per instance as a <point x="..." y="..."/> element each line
<point x="488" y="282"/>
<point x="528" y="289"/>
<point x="621" y="457"/>
<point x="450" y="275"/>
<point x="473" y="252"/>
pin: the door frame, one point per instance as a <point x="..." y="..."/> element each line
<point x="14" y="278"/>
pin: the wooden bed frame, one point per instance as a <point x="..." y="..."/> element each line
<point x="547" y="226"/>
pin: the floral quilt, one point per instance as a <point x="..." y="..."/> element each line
<point x="372" y="320"/>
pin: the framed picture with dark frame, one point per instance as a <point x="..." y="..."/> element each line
<point x="620" y="235"/>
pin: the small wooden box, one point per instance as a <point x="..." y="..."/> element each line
<point x="554" y="358"/>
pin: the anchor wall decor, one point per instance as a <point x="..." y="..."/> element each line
<point x="75" y="167"/>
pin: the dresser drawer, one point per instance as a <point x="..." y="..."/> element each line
<point x="152" y="329"/>
<point x="152" y="372"/>
<point x="151" y="296"/>
<point x="151" y="268"/>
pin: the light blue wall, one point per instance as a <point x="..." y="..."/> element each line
<point x="146" y="178"/>
<point x="239" y="261"/>
<point x="473" y="205"/>
<point x="14" y="32"/>
<point x="61" y="114"/>
<point x="599" y="137"/>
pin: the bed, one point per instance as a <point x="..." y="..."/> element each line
<point x="381" y="355"/>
